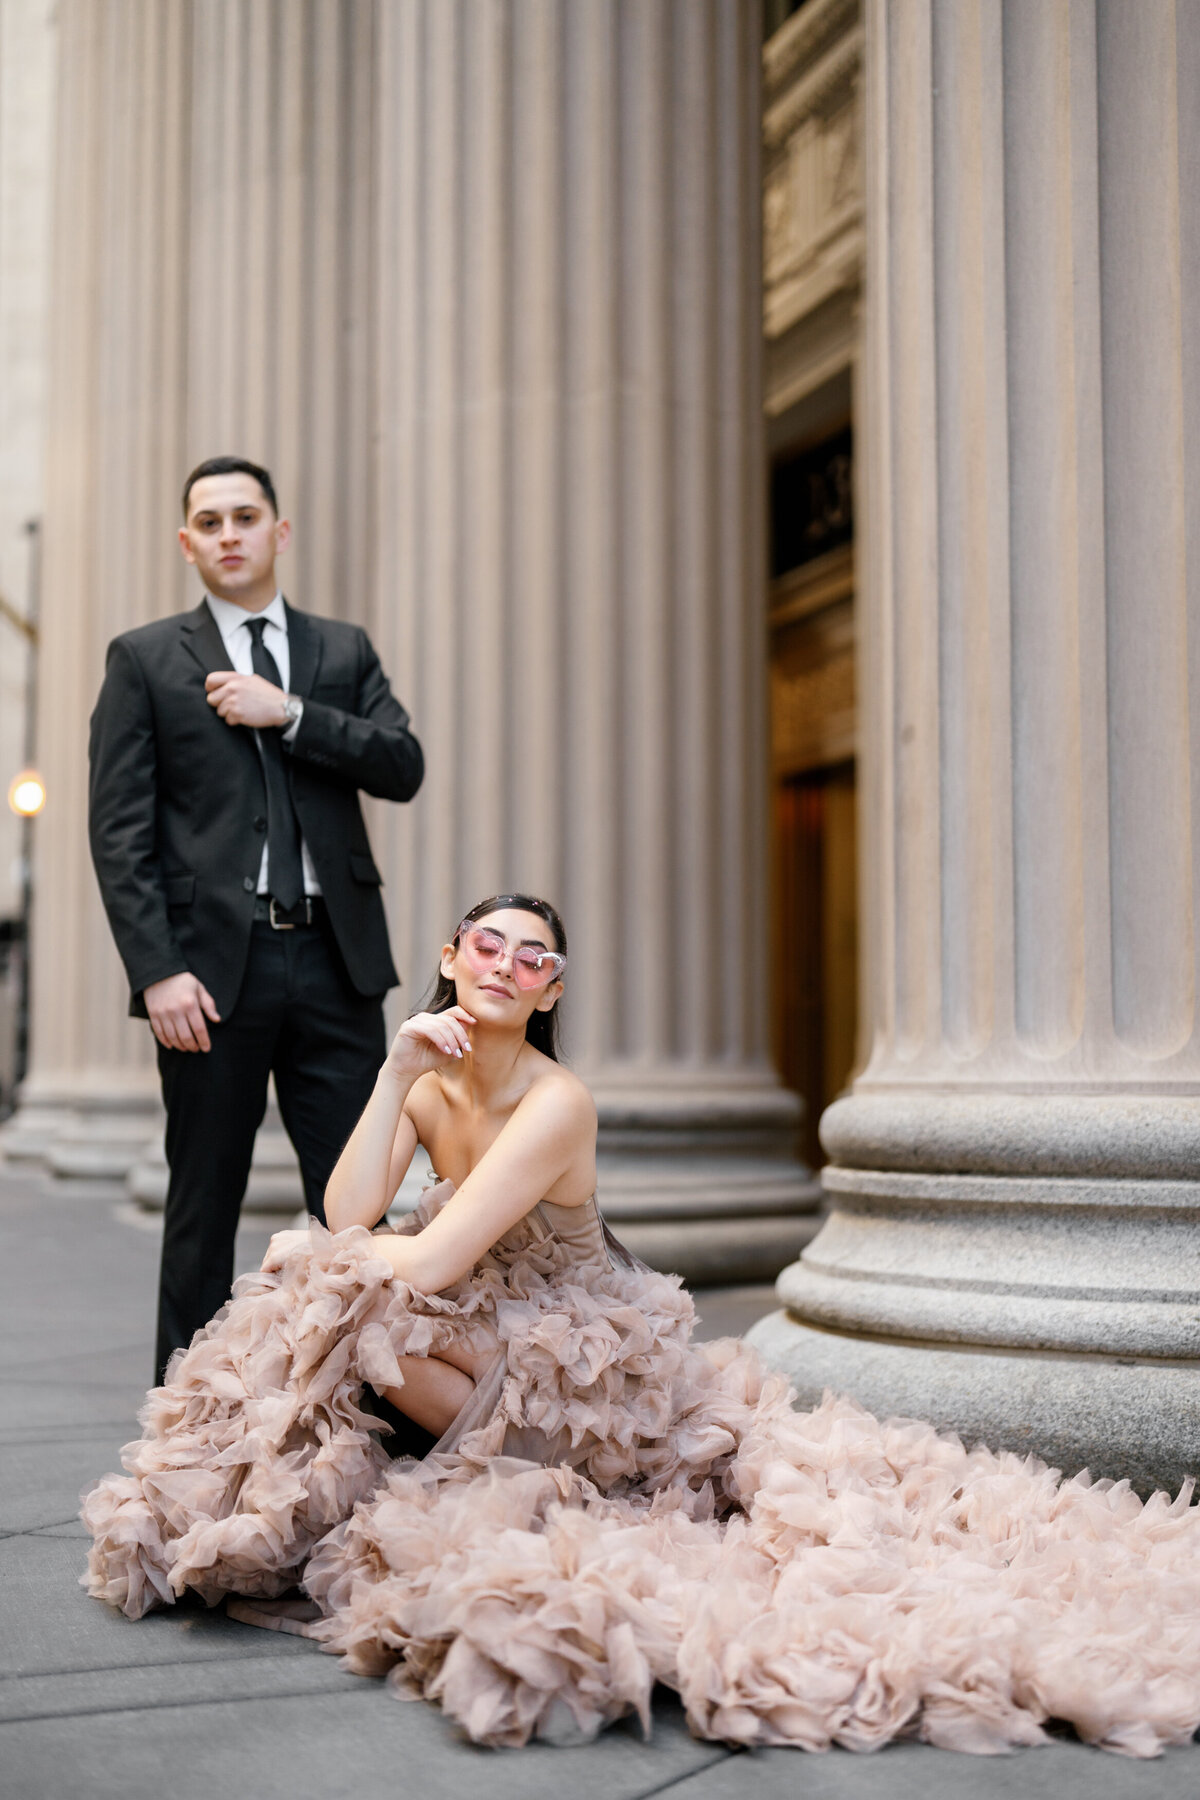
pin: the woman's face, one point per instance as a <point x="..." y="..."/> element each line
<point x="493" y="988"/>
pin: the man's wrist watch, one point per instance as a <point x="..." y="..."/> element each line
<point x="293" y="710"/>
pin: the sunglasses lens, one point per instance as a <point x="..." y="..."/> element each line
<point x="534" y="968"/>
<point x="483" y="947"/>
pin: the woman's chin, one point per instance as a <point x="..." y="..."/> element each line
<point x="495" y="1009"/>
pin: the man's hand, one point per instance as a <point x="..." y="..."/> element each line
<point x="245" y="699"/>
<point x="178" y="1007"/>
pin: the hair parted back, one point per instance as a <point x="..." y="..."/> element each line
<point x="541" y="1028"/>
<point x="230" y="465"/>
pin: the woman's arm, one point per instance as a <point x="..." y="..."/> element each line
<point x="552" y="1127"/>
<point x="373" y="1164"/>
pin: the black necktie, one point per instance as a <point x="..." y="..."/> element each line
<point x="285" y="872"/>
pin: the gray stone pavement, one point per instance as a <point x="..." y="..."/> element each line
<point x="185" y="1705"/>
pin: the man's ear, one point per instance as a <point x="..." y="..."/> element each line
<point x="550" y="998"/>
<point x="185" y="544"/>
<point x="283" y="535"/>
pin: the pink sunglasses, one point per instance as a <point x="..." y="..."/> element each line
<point x="484" y="947"/>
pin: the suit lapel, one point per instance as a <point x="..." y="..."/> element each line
<point x="304" y="651"/>
<point x="203" y="640"/>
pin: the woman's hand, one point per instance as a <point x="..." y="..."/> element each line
<point x="429" y="1041"/>
<point x="281" y="1247"/>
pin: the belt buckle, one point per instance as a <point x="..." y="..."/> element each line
<point x="276" y="924"/>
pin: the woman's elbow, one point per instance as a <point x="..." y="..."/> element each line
<point x="345" y="1208"/>
<point x="337" y="1217"/>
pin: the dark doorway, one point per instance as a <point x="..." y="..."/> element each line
<point x="813" y="743"/>
<point x="816" y="938"/>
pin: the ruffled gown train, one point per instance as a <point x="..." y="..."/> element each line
<point x="616" y="1506"/>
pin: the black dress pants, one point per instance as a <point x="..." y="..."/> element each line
<point x="298" y="1016"/>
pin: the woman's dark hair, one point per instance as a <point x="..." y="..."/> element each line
<point x="541" y="1028"/>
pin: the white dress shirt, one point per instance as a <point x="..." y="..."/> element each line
<point x="233" y="623"/>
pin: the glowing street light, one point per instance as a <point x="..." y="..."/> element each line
<point x="27" y="794"/>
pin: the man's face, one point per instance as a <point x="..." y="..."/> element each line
<point x="233" y="537"/>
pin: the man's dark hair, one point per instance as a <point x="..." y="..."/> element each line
<point x="230" y="465"/>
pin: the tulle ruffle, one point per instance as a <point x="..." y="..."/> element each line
<point x="256" y="1446"/>
<point x="619" y="1507"/>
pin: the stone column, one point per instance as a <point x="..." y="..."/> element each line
<point x="114" y="443"/>
<point x="27" y="70"/>
<point x="27" y="43"/>
<point x="212" y="262"/>
<point x="1012" y="1248"/>
<point x="570" y="559"/>
<point x="496" y="327"/>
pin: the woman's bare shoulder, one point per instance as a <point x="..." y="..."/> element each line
<point x="424" y="1094"/>
<point x="556" y="1092"/>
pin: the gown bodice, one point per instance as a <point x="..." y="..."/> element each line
<point x="579" y="1229"/>
<point x="576" y="1235"/>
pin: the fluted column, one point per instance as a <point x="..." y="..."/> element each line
<point x="570" y="558"/>
<point x="27" y="42"/>
<point x="479" y="280"/>
<point x="1012" y="1247"/>
<point x="114" y="443"/>
<point x="213" y="235"/>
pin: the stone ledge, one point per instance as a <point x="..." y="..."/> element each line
<point x="1117" y="1417"/>
<point x="949" y="1312"/>
<point x="937" y="1130"/>
<point x="903" y="1188"/>
<point x="719" y="1252"/>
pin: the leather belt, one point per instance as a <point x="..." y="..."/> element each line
<point x="309" y="911"/>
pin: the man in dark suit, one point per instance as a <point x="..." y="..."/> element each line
<point x="228" y="747"/>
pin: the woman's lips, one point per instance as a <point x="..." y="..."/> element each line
<point x="490" y="987"/>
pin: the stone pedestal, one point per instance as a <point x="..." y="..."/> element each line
<point x="1012" y="1247"/>
<point x="496" y="327"/>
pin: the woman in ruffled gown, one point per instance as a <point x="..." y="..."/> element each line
<point x="608" y="1505"/>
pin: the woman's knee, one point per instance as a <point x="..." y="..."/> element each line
<point x="434" y="1392"/>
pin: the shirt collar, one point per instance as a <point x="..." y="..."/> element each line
<point x="229" y="616"/>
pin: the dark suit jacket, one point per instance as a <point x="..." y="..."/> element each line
<point x="177" y="800"/>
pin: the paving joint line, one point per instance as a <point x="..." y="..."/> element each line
<point x="164" y="1706"/>
<point x="677" y="1781"/>
<point x="65" y="1434"/>
<point x="37" y="1530"/>
<point x="172" y="1662"/>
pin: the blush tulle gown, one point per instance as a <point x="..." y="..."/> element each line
<point x="617" y="1506"/>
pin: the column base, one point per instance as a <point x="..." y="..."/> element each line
<point x="1120" y="1417"/>
<point x="1046" y="1263"/>
<point x="85" y="1129"/>
<point x="274" y="1185"/>
<point x="700" y="1176"/>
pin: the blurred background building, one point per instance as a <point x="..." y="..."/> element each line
<point x="762" y="440"/>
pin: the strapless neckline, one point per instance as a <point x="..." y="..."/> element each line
<point x="436" y="1180"/>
